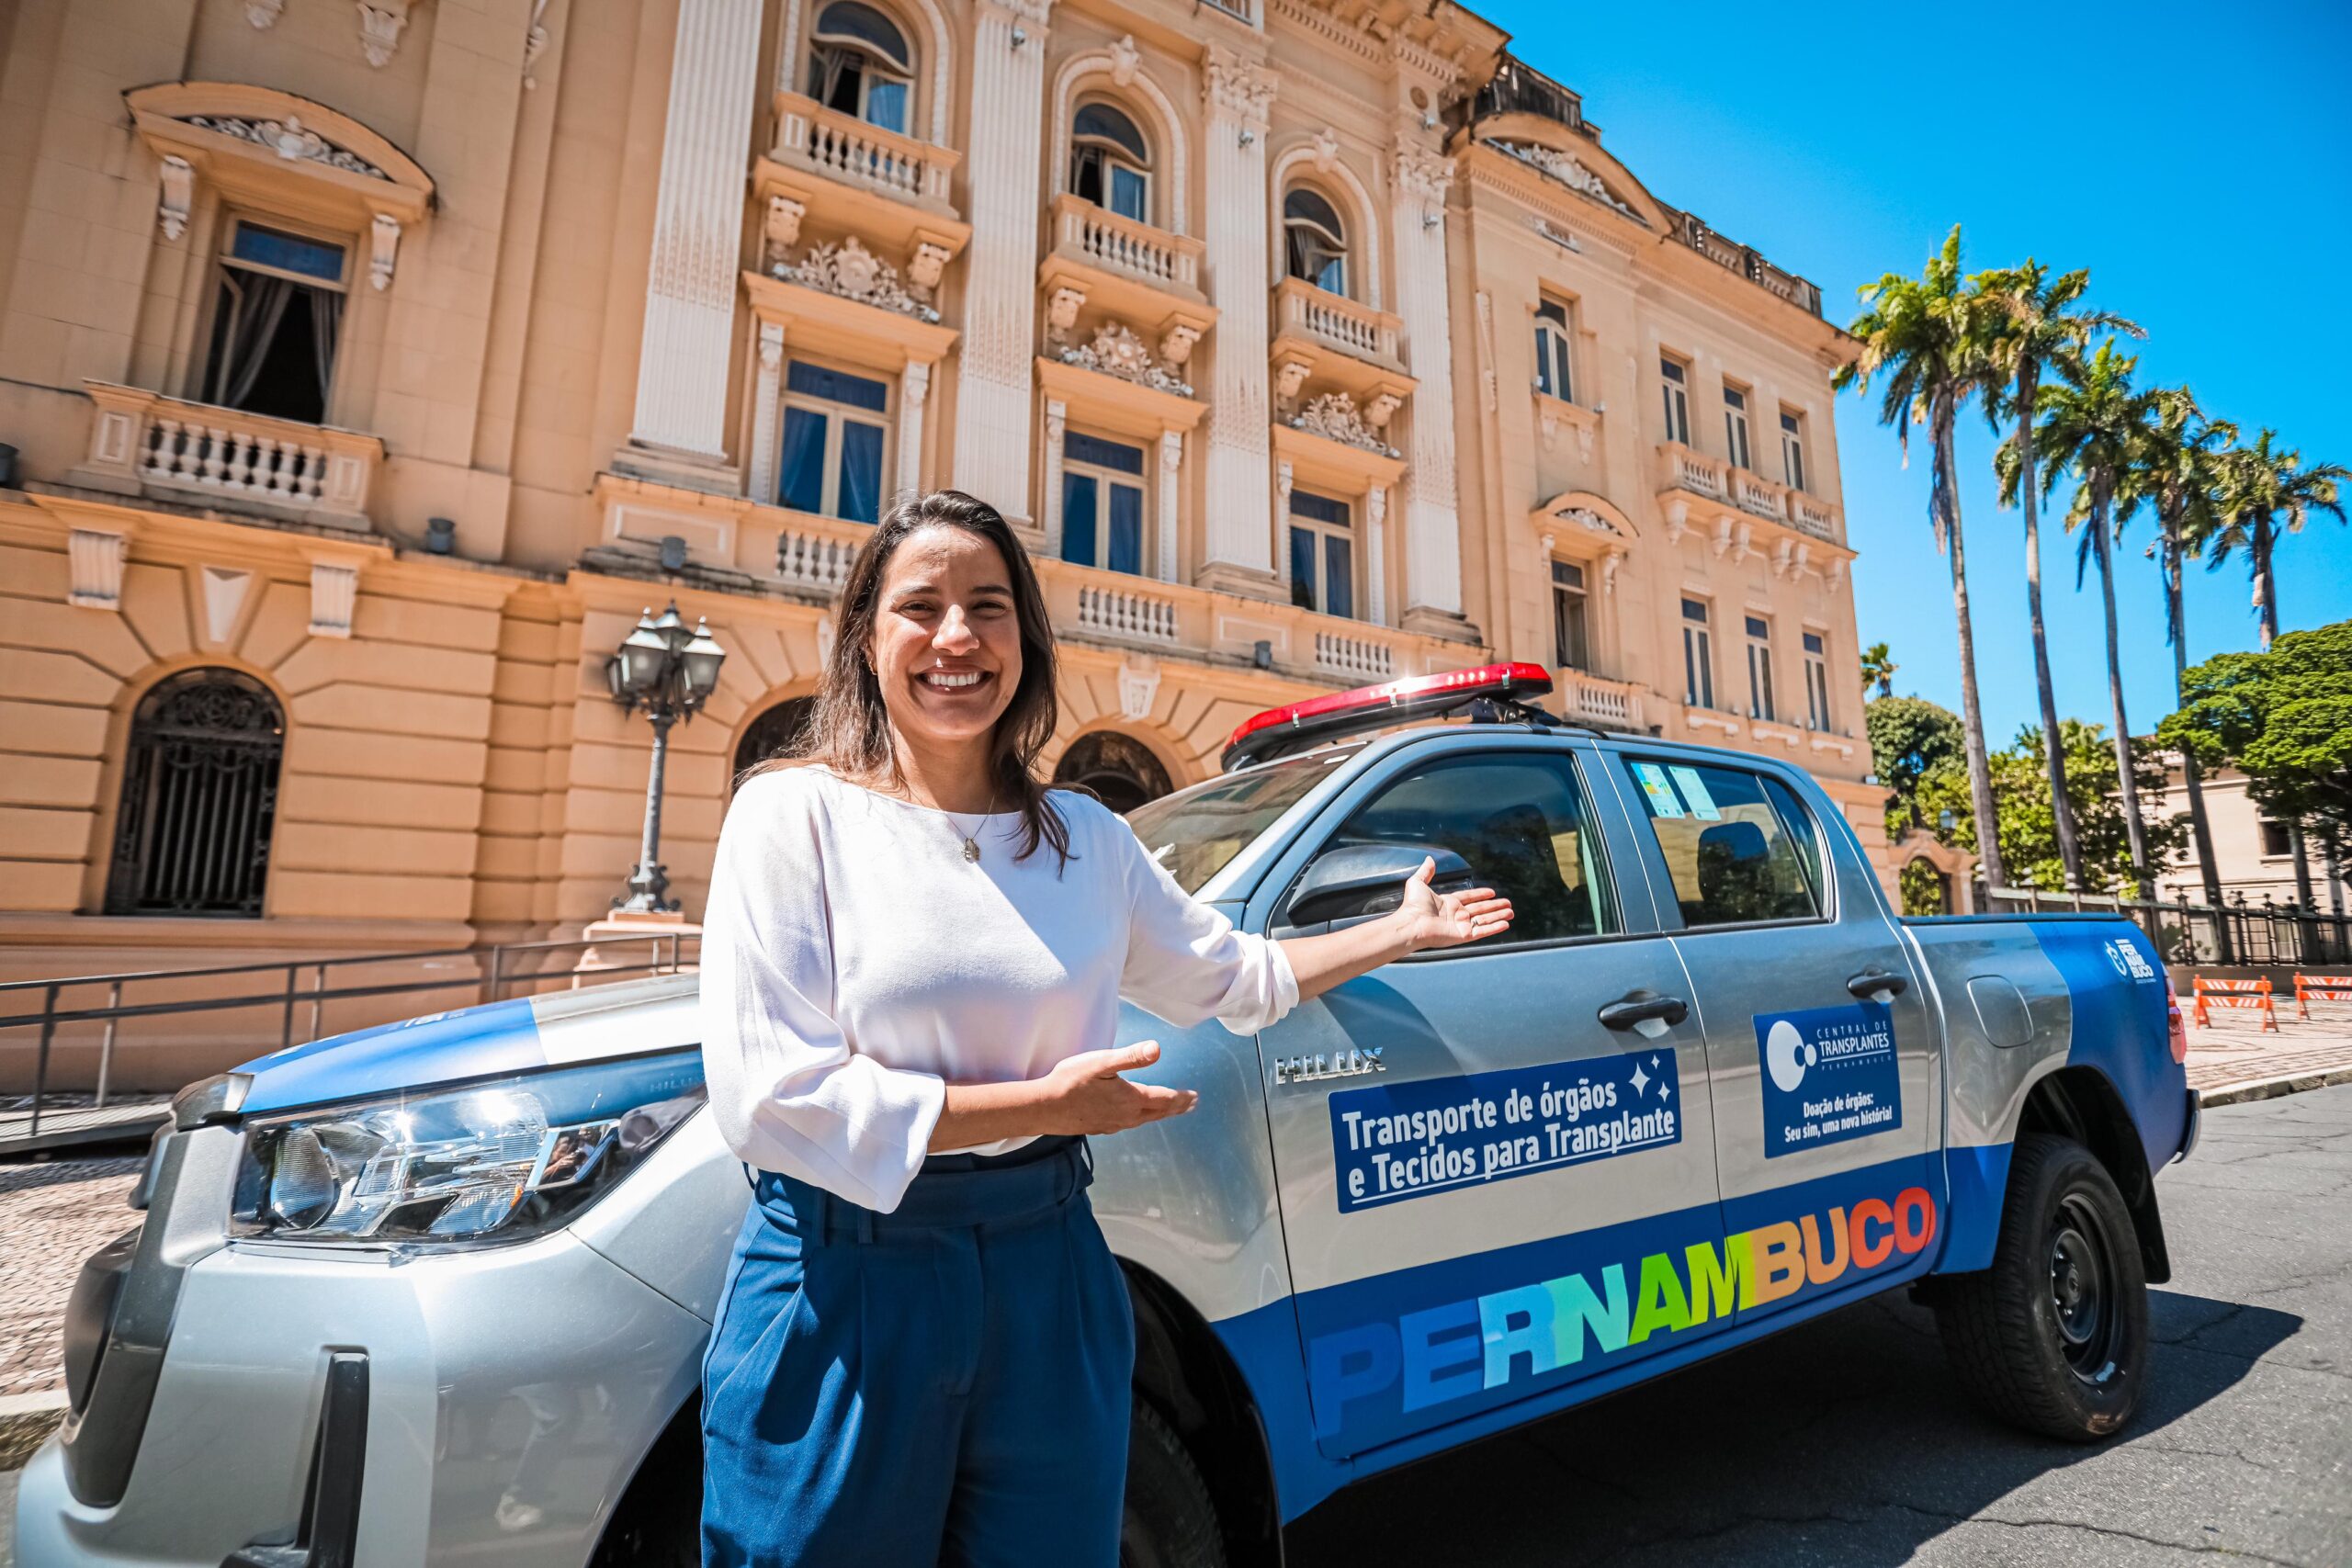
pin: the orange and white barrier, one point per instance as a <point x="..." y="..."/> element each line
<point x="2309" y="989"/>
<point x="2254" y="993"/>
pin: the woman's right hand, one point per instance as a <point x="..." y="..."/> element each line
<point x="1085" y="1094"/>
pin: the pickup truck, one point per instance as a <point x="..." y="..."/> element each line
<point x="438" y="1292"/>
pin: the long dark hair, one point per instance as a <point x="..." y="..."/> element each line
<point x="850" y="730"/>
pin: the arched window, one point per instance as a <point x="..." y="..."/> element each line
<point x="859" y="64"/>
<point x="1315" y="241"/>
<point x="1120" y="770"/>
<point x="1110" y="163"/>
<point x="782" y="731"/>
<point x="199" y="793"/>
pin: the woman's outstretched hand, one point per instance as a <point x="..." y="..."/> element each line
<point x="1085" y="1093"/>
<point x="1430" y="919"/>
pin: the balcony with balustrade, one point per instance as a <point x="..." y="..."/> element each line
<point x="1130" y="271"/>
<point x="845" y="181"/>
<point x="1327" y="343"/>
<point x="1600" y="702"/>
<point x="1696" y="491"/>
<point x="146" y="445"/>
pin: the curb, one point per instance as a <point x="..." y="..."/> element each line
<point x="26" y="1422"/>
<point x="2271" y="1089"/>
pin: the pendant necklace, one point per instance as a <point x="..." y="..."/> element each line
<point x="972" y="839"/>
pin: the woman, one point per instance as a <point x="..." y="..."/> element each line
<point x="911" y="965"/>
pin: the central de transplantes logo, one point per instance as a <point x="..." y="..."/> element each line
<point x="1787" y="1054"/>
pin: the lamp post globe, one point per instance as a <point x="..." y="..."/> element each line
<point x="670" y="671"/>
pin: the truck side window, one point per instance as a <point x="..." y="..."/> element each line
<point x="1519" y="822"/>
<point x="1739" y="848"/>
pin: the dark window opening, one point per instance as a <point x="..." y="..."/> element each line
<point x="200" y="797"/>
<point x="1119" y="769"/>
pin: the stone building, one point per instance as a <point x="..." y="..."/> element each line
<point x="372" y="367"/>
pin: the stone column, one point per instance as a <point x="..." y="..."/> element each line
<point x="1238" y="536"/>
<point x="914" y="389"/>
<point x="759" y="482"/>
<point x="1056" y="426"/>
<point x="1375" y="555"/>
<point x="680" y="431"/>
<point x="993" y="386"/>
<point x="1432" y="525"/>
<point x="1172" y="464"/>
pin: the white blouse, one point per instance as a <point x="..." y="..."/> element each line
<point x="854" y="963"/>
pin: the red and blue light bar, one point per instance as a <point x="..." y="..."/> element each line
<point x="1317" y="720"/>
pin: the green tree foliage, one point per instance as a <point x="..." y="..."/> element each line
<point x="1877" y="670"/>
<point x="1910" y="737"/>
<point x="1922" y="887"/>
<point x="2285" y="719"/>
<point x="2028" y="832"/>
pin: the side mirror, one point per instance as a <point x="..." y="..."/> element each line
<point x="1358" y="882"/>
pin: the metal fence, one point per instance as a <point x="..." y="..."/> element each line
<point x="302" y="986"/>
<point x="2249" y="935"/>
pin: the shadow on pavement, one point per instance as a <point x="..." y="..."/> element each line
<point x="1846" y="1440"/>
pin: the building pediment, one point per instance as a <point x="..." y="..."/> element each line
<point x="1584" y="169"/>
<point x="240" y="133"/>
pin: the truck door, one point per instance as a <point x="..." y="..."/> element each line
<point x="1471" y="1162"/>
<point x="1822" y="1055"/>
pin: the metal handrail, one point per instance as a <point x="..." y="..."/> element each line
<point x="490" y="980"/>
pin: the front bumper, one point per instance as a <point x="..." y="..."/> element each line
<point x="511" y="1394"/>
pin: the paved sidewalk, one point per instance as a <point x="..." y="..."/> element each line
<point x="2236" y="1054"/>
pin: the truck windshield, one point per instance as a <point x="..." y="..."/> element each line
<point x="1195" y="831"/>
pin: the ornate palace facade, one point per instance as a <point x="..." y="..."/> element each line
<point x="370" y="368"/>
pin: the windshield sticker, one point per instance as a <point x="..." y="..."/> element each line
<point x="1408" y="1140"/>
<point x="1694" y="790"/>
<point x="1654" y="784"/>
<point x="1829" y="1075"/>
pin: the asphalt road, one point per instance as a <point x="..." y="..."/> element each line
<point x="1846" y="1442"/>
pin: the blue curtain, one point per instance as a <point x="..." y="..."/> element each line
<point x="1078" y="519"/>
<point x="1302" y="567"/>
<point x="803" y="486"/>
<point x="1127" y="528"/>
<point x="861" y="480"/>
<point x="1338" y="577"/>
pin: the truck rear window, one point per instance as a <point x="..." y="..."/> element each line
<point x="1739" y="846"/>
<point x="1195" y="832"/>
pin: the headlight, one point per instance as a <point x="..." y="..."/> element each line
<point x="493" y="1161"/>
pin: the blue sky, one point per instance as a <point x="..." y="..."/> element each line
<point x="2202" y="171"/>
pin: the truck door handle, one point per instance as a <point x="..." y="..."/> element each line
<point x="1636" y="1008"/>
<point x="1873" y="982"/>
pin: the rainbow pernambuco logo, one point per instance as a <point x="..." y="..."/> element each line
<point x="1465" y="1348"/>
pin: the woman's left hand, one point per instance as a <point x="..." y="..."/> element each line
<point x="1430" y="919"/>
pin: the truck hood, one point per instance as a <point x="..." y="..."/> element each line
<point x="626" y="1019"/>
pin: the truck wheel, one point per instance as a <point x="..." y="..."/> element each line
<point x="1171" y="1522"/>
<point x="2053" y="1336"/>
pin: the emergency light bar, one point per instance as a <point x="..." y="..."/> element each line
<point x="1278" y="732"/>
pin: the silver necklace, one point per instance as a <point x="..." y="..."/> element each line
<point x="971" y="840"/>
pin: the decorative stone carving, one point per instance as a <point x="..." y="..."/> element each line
<point x="1139" y="686"/>
<point x="381" y="25"/>
<point x="335" y="590"/>
<point x="1423" y="174"/>
<point x="95" y="558"/>
<point x="1609" y="564"/>
<point x="1176" y="343"/>
<point x="926" y="268"/>
<point x="1677" y="519"/>
<point x="1125" y="58"/>
<point x="1558" y="236"/>
<point x="384" y="236"/>
<point x="1376" y="413"/>
<point x="1585" y="517"/>
<point x="781" y="231"/>
<point x="179" y="196"/>
<point x="850" y="271"/>
<point x="1836" y="577"/>
<point x="535" y="44"/>
<point x="1334" y="415"/>
<point x="1116" y="350"/>
<point x="1327" y="150"/>
<point x="1289" y="377"/>
<point x="771" y="346"/>
<point x="1237" y="88"/>
<point x="263" y="14"/>
<point x="1061" y="313"/>
<point x="290" y="140"/>
<point x="221" y="592"/>
<point x="1563" y="167"/>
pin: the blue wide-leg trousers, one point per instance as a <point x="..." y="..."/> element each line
<point x="946" y="1384"/>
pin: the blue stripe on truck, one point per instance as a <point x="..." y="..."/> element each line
<point x="480" y="1042"/>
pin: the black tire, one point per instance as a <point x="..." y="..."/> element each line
<point x="1169" y="1522"/>
<point x="2053" y="1336"/>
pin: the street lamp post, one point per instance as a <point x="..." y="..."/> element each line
<point x="669" y="672"/>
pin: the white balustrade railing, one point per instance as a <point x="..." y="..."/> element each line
<point x="1758" y="496"/>
<point x="814" y="560"/>
<point x="849" y="149"/>
<point x="1812" y="516"/>
<point x="1356" y="657"/>
<point x="1609" y="705"/>
<point x="1686" y="469"/>
<point x="1353" y="328"/>
<point x="1121" y="613"/>
<point x="1121" y="244"/>
<point x="142" y="442"/>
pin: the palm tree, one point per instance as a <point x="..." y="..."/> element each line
<point x="2177" y="470"/>
<point x="1878" y="668"/>
<point x="1924" y="336"/>
<point x="2265" y="485"/>
<point x="2090" y="423"/>
<point x="2033" y="321"/>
